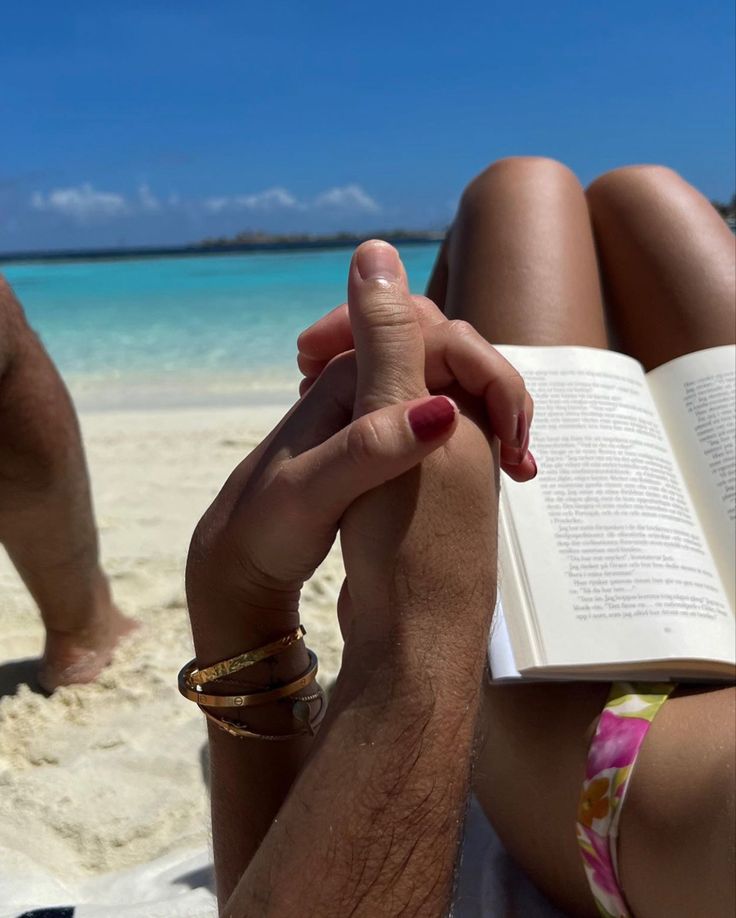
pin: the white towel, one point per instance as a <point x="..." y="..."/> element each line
<point x="177" y="885"/>
<point x="180" y="885"/>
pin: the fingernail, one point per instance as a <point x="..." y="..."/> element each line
<point x="513" y="456"/>
<point x="522" y="429"/>
<point x="534" y="464"/>
<point x="432" y="418"/>
<point x="304" y="334"/>
<point x="378" y="260"/>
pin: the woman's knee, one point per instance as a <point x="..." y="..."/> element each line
<point x="11" y="317"/>
<point x="632" y="185"/>
<point x="11" y="310"/>
<point x="521" y="176"/>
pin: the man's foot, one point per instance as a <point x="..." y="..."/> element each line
<point x="71" y="658"/>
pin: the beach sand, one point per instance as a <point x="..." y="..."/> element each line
<point x="109" y="775"/>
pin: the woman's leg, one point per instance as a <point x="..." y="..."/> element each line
<point x="663" y="247"/>
<point x="667" y="261"/>
<point x="520" y="265"/>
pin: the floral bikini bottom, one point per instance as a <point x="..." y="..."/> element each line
<point x="625" y="721"/>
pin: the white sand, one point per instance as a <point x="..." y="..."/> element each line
<point x="108" y="775"/>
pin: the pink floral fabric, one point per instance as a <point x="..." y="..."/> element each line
<point x="625" y="721"/>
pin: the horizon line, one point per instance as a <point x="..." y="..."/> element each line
<point x="264" y="242"/>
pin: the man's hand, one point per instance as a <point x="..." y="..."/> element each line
<point x="420" y="542"/>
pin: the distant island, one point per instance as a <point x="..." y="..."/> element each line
<point x="243" y="242"/>
<point x="727" y="211"/>
<point x="257" y="241"/>
<point x="308" y="240"/>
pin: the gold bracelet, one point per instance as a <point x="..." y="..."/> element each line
<point x="242" y="661"/>
<point x="249" y="699"/>
<point x="242" y="731"/>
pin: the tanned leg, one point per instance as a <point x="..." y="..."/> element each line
<point x="46" y="520"/>
<point x="668" y="264"/>
<point x="669" y="270"/>
<point x="520" y="265"/>
<point x="519" y="281"/>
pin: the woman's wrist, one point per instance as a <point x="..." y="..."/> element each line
<point x="231" y="614"/>
<point x="226" y="625"/>
<point x="229" y="617"/>
<point x="251" y="629"/>
<point x="288" y="672"/>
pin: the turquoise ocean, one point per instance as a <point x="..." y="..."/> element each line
<point x="207" y="330"/>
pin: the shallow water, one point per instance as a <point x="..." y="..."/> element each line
<point x="195" y="330"/>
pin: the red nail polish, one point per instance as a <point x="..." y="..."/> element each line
<point x="536" y="468"/>
<point x="431" y="419"/>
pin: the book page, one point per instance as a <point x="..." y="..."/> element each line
<point x="615" y="566"/>
<point x="696" y="398"/>
<point x="501" y="661"/>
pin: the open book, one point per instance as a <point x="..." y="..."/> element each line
<point x="617" y="561"/>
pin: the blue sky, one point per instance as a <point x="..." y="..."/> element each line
<point x="143" y="123"/>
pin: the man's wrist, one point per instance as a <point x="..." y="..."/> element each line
<point x="405" y="633"/>
<point x="415" y="660"/>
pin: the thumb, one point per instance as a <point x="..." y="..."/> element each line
<point x="368" y="452"/>
<point x="389" y="345"/>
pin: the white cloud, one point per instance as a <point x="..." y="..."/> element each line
<point x="148" y="200"/>
<point x="271" y="199"/>
<point x="216" y="205"/>
<point x="85" y="203"/>
<point x="268" y="200"/>
<point x="347" y="197"/>
<point x="81" y="203"/>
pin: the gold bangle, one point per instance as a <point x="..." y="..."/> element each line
<point x="249" y="699"/>
<point x="242" y="661"/>
<point x="242" y="731"/>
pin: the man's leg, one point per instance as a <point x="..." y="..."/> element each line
<point x="46" y="521"/>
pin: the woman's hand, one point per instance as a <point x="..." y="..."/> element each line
<point x="277" y="515"/>
<point x="455" y="352"/>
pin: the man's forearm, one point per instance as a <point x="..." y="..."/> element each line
<point x="372" y="823"/>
